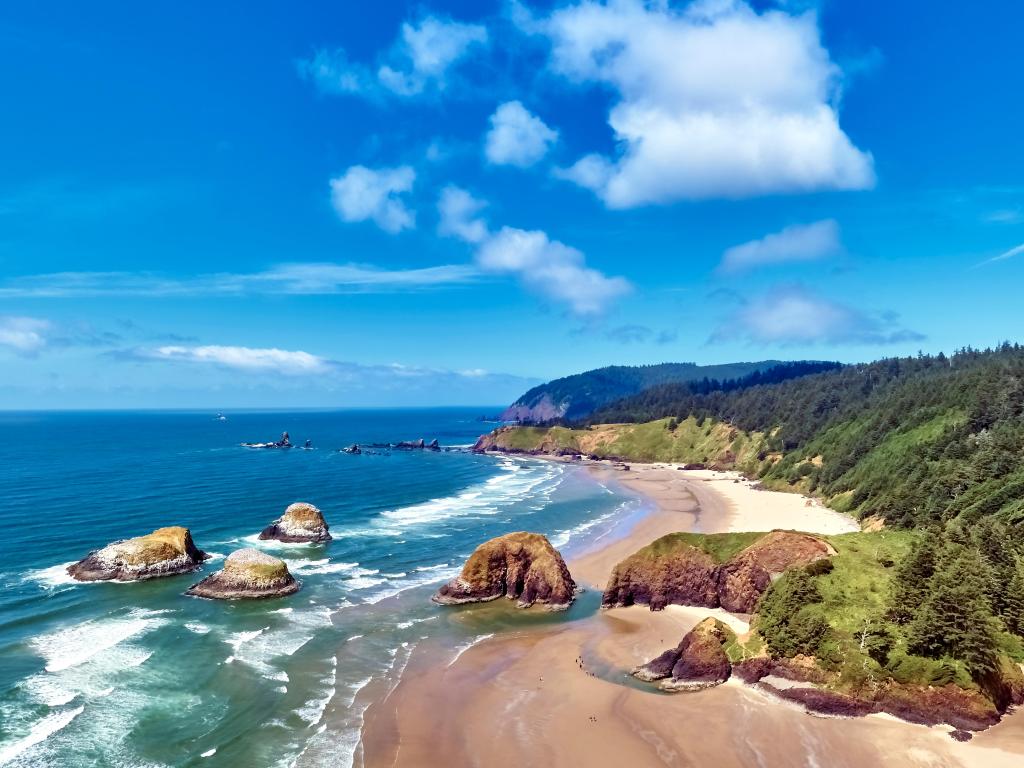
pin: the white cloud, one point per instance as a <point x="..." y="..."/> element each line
<point x="793" y="315"/>
<point x="458" y="210"/>
<point x="1015" y="251"/>
<point x="419" y="61"/>
<point x="365" y="193"/>
<point x="517" y="137"/>
<point x="550" y="268"/>
<point x="308" y="278"/>
<point x="244" y="358"/>
<point x="24" y="335"/>
<point x="546" y="267"/>
<point x="714" y="100"/>
<point x="807" y="242"/>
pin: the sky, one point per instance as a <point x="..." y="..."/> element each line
<point x="335" y="204"/>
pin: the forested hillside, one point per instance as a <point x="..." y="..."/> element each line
<point x="915" y="440"/>
<point x="577" y="396"/>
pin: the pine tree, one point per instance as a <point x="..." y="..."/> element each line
<point x="956" y="618"/>
<point x="1013" y="615"/>
<point x="912" y="578"/>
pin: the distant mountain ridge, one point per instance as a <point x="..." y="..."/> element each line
<point x="579" y="395"/>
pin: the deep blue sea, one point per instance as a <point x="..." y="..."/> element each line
<point x="137" y="674"/>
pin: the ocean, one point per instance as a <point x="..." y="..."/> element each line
<point x="137" y="674"/>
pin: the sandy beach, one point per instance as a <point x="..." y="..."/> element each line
<point x="559" y="695"/>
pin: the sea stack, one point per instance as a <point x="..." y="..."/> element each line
<point x="248" y="573"/>
<point x="699" y="661"/>
<point x="164" y="552"/>
<point x="520" y="566"/>
<point x="301" y="522"/>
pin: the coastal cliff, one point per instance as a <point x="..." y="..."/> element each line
<point x="164" y="552"/>
<point x="709" y="571"/>
<point x="520" y="566"/>
<point x="247" y="573"/>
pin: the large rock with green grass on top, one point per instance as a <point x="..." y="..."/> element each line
<point x="164" y="552"/>
<point x="520" y="566"/>
<point x="731" y="571"/>
<point x="247" y="573"/>
<point x="301" y="522"/>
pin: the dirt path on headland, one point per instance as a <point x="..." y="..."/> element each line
<point x="557" y="696"/>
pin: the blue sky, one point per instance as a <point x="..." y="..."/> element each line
<point x="335" y="204"/>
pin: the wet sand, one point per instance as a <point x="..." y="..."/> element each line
<point x="559" y="696"/>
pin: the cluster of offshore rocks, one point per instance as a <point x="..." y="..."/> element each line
<point x="404" y="445"/>
<point x="247" y="573"/>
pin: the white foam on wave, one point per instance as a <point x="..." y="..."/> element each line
<point x="324" y="566"/>
<point x="313" y="710"/>
<point x="53" y="577"/>
<point x="39" y="732"/>
<point x="364" y="582"/>
<point x="461" y="649"/>
<point x="425" y="577"/>
<point x="517" y="481"/>
<point x="76" y="645"/>
<point x="208" y="753"/>
<point x="562" y="538"/>
<point x="197" y="627"/>
<point x="412" y="622"/>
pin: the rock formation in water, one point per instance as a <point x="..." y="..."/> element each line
<point x="699" y="661"/>
<point x="672" y="570"/>
<point x="247" y="573"/>
<point x="301" y="522"/>
<point x="520" y="566"/>
<point x="164" y="552"/>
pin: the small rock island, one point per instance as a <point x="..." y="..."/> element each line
<point x="699" y="661"/>
<point x="164" y="552"/>
<point x="301" y="522"/>
<point x="520" y="566"/>
<point x="247" y="574"/>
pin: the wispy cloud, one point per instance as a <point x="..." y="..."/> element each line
<point x="639" y="334"/>
<point x="1015" y="251"/>
<point x="420" y="61"/>
<point x="808" y="242"/>
<point x="295" y="364"/>
<point x="293" y="279"/>
<point x="24" y="335"/>
<point x="791" y="314"/>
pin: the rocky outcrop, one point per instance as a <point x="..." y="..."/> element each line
<point x="301" y="522"/>
<point x="247" y="573"/>
<point x="672" y="570"/>
<point x="520" y="566"/>
<point x="743" y="580"/>
<point x="699" y="661"/>
<point x="164" y="552"/>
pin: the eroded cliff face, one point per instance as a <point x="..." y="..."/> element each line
<point x="543" y="409"/>
<point x="520" y="566"/>
<point x="671" y="572"/>
<point x="301" y="522"/>
<point x="164" y="552"/>
<point x="699" y="661"/>
<point x="247" y="573"/>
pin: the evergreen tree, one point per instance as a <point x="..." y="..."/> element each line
<point x="912" y="578"/>
<point x="1013" y="615"/>
<point x="956" y="618"/>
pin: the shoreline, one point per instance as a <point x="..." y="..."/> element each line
<point x="508" y="697"/>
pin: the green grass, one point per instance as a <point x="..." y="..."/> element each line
<point x="721" y="546"/>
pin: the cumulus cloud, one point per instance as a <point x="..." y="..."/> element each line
<point x="547" y="267"/>
<point x="301" y="278"/>
<point x="551" y="269"/>
<point x="793" y="315"/>
<point x="419" y="61"/>
<point x="713" y="100"/>
<point x="806" y="242"/>
<point x="517" y="137"/>
<point x="363" y="194"/>
<point x="23" y="335"/>
<point x="459" y="212"/>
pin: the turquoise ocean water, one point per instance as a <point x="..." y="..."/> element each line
<point x="139" y="675"/>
